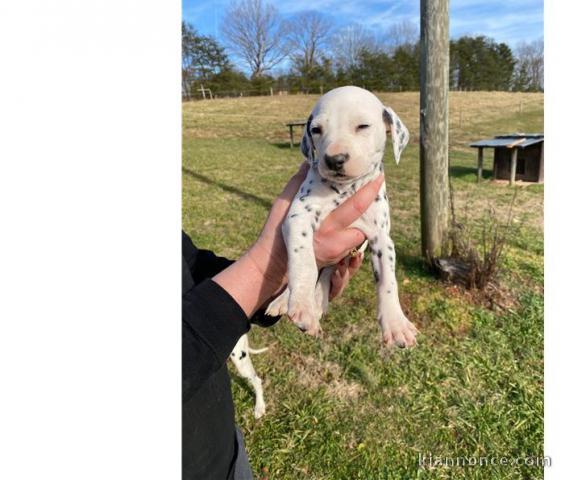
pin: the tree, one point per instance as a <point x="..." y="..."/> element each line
<point x="255" y="33"/>
<point x="349" y="43"/>
<point x="506" y="63"/>
<point x="202" y="58"/>
<point x="434" y="127"/>
<point x="479" y="63"/>
<point x="401" y="34"/>
<point x="374" y="70"/>
<point x="529" y="66"/>
<point x="308" y="36"/>
<point x="405" y="74"/>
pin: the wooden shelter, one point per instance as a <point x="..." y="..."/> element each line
<point x="517" y="156"/>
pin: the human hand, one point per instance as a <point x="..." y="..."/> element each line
<point x="332" y="241"/>
<point x="261" y="272"/>
<point x="344" y="271"/>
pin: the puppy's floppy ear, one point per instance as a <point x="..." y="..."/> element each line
<point x="306" y="144"/>
<point x="398" y="132"/>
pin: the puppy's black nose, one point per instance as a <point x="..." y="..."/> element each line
<point x="335" y="162"/>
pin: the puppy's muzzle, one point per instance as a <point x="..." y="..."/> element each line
<point x="336" y="162"/>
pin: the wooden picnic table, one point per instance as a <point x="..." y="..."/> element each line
<point x="291" y="125"/>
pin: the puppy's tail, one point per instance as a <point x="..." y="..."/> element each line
<point x="255" y="352"/>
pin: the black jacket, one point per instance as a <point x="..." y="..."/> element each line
<point x="212" y="323"/>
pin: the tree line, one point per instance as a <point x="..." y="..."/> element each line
<point x="309" y="54"/>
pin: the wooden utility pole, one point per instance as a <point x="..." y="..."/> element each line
<point x="434" y="126"/>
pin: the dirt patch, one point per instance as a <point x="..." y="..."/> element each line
<point x="315" y="373"/>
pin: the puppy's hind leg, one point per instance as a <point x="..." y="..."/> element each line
<point x="279" y="306"/>
<point x="322" y="293"/>
<point x="242" y="361"/>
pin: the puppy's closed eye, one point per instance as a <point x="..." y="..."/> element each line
<point x="363" y="126"/>
<point x="316" y="130"/>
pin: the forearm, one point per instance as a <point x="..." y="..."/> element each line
<point x="254" y="278"/>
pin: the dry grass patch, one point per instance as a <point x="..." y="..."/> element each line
<point x="314" y="373"/>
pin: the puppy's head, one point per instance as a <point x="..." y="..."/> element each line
<point x="345" y="135"/>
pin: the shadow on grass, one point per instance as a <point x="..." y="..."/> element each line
<point x="415" y="266"/>
<point x="286" y="145"/>
<point x="228" y="188"/>
<point x="459" y="171"/>
<point x="243" y="384"/>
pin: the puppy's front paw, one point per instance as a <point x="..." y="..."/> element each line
<point x="304" y="316"/>
<point x="398" y="330"/>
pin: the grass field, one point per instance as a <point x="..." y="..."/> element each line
<point x="341" y="407"/>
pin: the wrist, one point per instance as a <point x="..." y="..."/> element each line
<point x="269" y="264"/>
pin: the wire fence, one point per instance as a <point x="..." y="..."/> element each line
<point x="202" y="93"/>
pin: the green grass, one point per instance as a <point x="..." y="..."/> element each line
<point x="341" y="407"/>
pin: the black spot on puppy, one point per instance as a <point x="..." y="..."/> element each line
<point x="243" y="355"/>
<point x="336" y="203"/>
<point x="304" y="234"/>
<point x="379" y="253"/>
<point x="334" y="188"/>
<point x="376" y="276"/>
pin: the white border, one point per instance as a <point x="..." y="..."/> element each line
<point x="90" y="203"/>
<point x="554" y="240"/>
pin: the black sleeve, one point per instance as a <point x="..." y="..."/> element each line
<point x="205" y="264"/>
<point x="212" y="323"/>
<point x="202" y="263"/>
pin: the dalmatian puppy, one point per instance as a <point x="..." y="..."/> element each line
<point x="242" y="361"/>
<point x="344" y="143"/>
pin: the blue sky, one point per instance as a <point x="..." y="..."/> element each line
<point x="509" y="21"/>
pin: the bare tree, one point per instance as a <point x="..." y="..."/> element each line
<point x="530" y="66"/>
<point x="348" y="44"/>
<point x="401" y="34"/>
<point x="255" y="33"/>
<point x="309" y="33"/>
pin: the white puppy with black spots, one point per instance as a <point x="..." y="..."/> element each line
<point x="344" y="143"/>
<point x="242" y="361"/>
